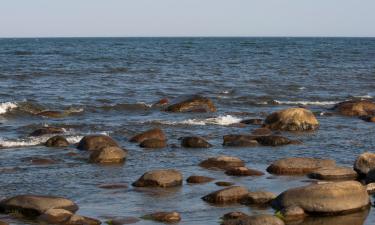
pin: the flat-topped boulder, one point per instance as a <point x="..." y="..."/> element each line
<point x="155" y="133"/>
<point x="228" y="195"/>
<point x="355" y="108"/>
<point x="195" y="142"/>
<point x="243" y="171"/>
<point x="57" y="141"/>
<point x="325" y="199"/>
<point x="364" y="163"/>
<point x="96" y="142"/>
<point x="108" y="155"/>
<point x="334" y="173"/>
<point x="222" y="162"/>
<point x="160" y="178"/>
<point x="193" y="103"/>
<point x="298" y="165"/>
<point x="255" y="220"/>
<point x="292" y="119"/>
<point x="199" y="179"/>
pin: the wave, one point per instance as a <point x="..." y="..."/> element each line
<point x="33" y="141"/>
<point x="7" y="106"/>
<point x="306" y="102"/>
<point x="220" y="120"/>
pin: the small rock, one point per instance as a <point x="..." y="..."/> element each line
<point x="108" y="155"/>
<point x="57" y="141"/>
<point x="156" y="133"/>
<point x="334" y="173"/>
<point x="228" y="195"/>
<point x="239" y="140"/>
<point x="122" y="220"/>
<point x="167" y="217"/>
<point x="243" y="171"/>
<point x="292" y="119"/>
<point x="261" y="132"/>
<point x="293" y="213"/>
<point x="52" y="114"/>
<point x="153" y="143"/>
<point x="195" y="142"/>
<point x="82" y="220"/>
<point x="355" y="108"/>
<point x="298" y="166"/>
<point x="222" y="162"/>
<point x="273" y="140"/>
<point x="234" y="215"/>
<point x="55" y="216"/>
<point x="160" y="178"/>
<point x="39" y="161"/>
<point x="224" y="183"/>
<point x="113" y="186"/>
<point x="255" y="220"/>
<point x="47" y="130"/>
<point x="96" y="142"/>
<point x="194" y="103"/>
<point x="199" y="179"/>
<point x="258" y="198"/>
<point x="364" y="163"/>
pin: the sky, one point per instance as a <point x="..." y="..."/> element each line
<point x="138" y="18"/>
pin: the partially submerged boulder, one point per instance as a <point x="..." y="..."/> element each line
<point x="199" y="179"/>
<point x="108" y="155"/>
<point x="292" y="119"/>
<point x="222" y="162"/>
<point x="355" y="108"/>
<point x="153" y="143"/>
<point x="194" y="103"/>
<point x="228" y="195"/>
<point x="57" y="141"/>
<point x="160" y="178"/>
<point x="55" y="216"/>
<point x="155" y="133"/>
<point x="195" y="142"/>
<point x="82" y="220"/>
<point x="334" y="173"/>
<point x="273" y="140"/>
<point x="298" y="165"/>
<point x="239" y="140"/>
<point x="96" y="142"/>
<point x="255" y="220"/>
<point x="364" y="163"/>
<point x="243" y="171"/>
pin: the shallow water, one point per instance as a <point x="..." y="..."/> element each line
<point x="108" y="85"/>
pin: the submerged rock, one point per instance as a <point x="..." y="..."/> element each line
<point x="155" y="133"/>
<point x="243" y="171"/>
<point x="298" y="166"/>
<point x="334" y="173"/>
<point x="292" y="119"/>
<point x="57" y="141"/>
<point x="167" y="217"/>
<point x="255" y="220"/>
<point x="358" y="218"/>
<point x="195" y="142"/>
<point x="234" y="215"/>
<point x="194" y="103"/>
<point x="160" y="178"/>
<point x="228" y="195"/>
<point x="96" y="142"/>
<point x="82" y="220"/>
<point x="224" y="183"/>
<point x="47" y="130"/>
<point x="355" y="108"/>
<point x="153" y="143"/>
<point x="364" y="163"/>
<point x="199" y="179"/>
<point x="222" y="162"/>
<point x="108" y="155"/>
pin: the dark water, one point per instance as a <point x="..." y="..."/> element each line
<point x="106" y="86"/>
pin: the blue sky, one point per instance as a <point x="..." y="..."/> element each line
<point x="61" y="18"/>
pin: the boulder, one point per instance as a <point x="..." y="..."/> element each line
<point x="96" y="142"/>
<point x="355" y="108"/>
<point x="108" y="155"/>
<point x="195" y="142"/>
<point x="165" y="217"/>
<point x="325" y="199"/>
<point x="194" y="103"/>
<point x="155" y="133"/>
<point x="35" y="205"/>
<point x="243" y="171"/>
<point x="364" y="163"/>
<point x="258" y="198"/>
<point x="160" y="178"/>
<point x="273" y="140"/>
<point x="298" y="166"/>
<point x="334" y="173"/>
<point x="199" y="179"/>
<point x="153" y="143"/>
<point x="228" y="195"/>
<point x="222" y="162"/>
<point x="255" y="220"/>
<point x="292" y="119"/>
<point x="82" y="220"/>
<point x="47" y="130"/>
<point x="57" y="141"/>
<point x="55" y="216"/>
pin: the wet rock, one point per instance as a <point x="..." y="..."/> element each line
<point x="243" y="171"/>
<point x="258" y="198"/>
<point x="55" y="216"/>
<point x="370" y="188"/>
<point x="122" y="220"/>
<point x="273" y="140"/>
<point x="234" y="215"/>
<point x="108" y="155"/>
<point x="293" y="213"/>
<point x="155" y="133"/>
<point x="334" y="173"/>
<point x="298" y="166"/>
<point x="255" y="220"/>
<point x="325" y="199"/>
<point x="261" y="132"/>
<point x="358" y="218"/>
<point x="195" y="142"/>
<point x="239" y="140"/>
<point x="292" y="119"/>
<point x="199" y="179"/>
<point x="57" y="141"/>
<point x="166" y="217"/>
<point x="222" y="162"/>
<point x="364" y="163"/>
<point x="113" y="186"/>
<point x="355" y="108"/>
<point x="82" y="220"/>
<point x="35" y="205"/>
<point x="96" y="142"/>
<point x="194" y="103"/>
<point x="224" y="183"/>
<point x="39" y="161"/>
<point x="153" y="143"/>
<point x="228" y="195"/>
<point x="52" y="114"/>
<point x="47" y="130"/>
<point x="370" y="177"/>
<point x="252" y="121"/>
<point x="160" y="178"/>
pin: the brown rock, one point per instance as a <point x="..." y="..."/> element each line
<point x="57" y="141"/>
<point x="334" y="173"/>
<point x="261" y="132"/>
<point x="39" y="161"/>
<point x="51" y="114"/>
<point x="3" y="223"/>
<point x="298" y="166"/>
<point x="224" y="183"/>
<point x="149" y="134"/>
<point x="355" y="108"/>
<point x="160" y="178"/>
<point x="153" y="143"/>
<point x="258" y="198"/>
<point x="234" y="215"/>
<point x="370" y="188"/>
<point x="243" y="171"/>
<point x="364" y="163"/>
<point x="122" y="220"/>
<point x="222" y="162"/>
<point x="273" y="140"/>
<point x="228" y="195"/>
<point x="358" y="218"/>
<point x="47" y="130"/>
<point x="239" y="140"/>
<point x="199" y="179"/>
<point x="96" y="142"/>
<point x="108" y="155"/>
<point x="293" y="213"/>
<point x="292" y="119"/>
<point x="82" y="220"/>
<point x="167" y="217"/>
<point x="55" y="216"/>
<point x="195" y="142"/>
<point x="113" y="186"/>
<point x="255" y="220"/>
<point x="194" y="103"/>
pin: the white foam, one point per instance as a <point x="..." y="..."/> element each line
<point x="306" y="102"/>
<point x="7" y="106"/>
<point x="33" y="141"/>
<point x="363" y="96"/>
<point x="145" y="104"/>
<point x="220" y="120"/>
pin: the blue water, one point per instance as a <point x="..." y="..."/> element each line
<point x="108" y="85"/>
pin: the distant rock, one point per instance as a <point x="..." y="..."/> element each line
<point x="57" y="141"/>
<point x="160" y="178"/>
<point x="228" y="195"/>
<point x="96" y="142"/>
<point x="194" y="103"/>
<point x="165" y="217"/>
<point x="222" y="162"/>
<point x="292" y="119"/>
<point x="153" y="143"/>
<point x="198" y="179"/>
<point x="155" y="133"/>
<point x="239" y="140"/>
<point x="108" y="155"/>
<point x="255" y="220"/>
<point x="298" y="165"/>
<point x="243" y="171"/>
<point x="355" y="108"/>
<point x="195" y="142"/>
<point x="47" y="130"/>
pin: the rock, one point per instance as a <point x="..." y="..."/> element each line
<point x="358" y="218"/>
<point x="261" y="132"/>
<point x="292" y="119"/>
<point x="355" y="108"/>
<point x="96" y="142"/>
<point x="255" y="220"/>
<point x="234" y="140"/>
<point x="228" y="195"/>
<point x="55" y="216"/>
<point x="364" y="163"/>
<point x="334" y="173"/>
<point x="82" y="220"/>
<point x="243" y="171"/>
<point x="166" y="217"/>
<point x="370" y="119"/>
<point x="161" y="102"/>
<point x="194" y="103"/>
<point x="195" y="142"/>
<point x="199" y="179"/>
<point x="325" y="199"/>
<point x="252" y="121"/>
<point x="258" y="198"/>
<point x="122" y="220"/>
<point x="293" y="213"/>
<point x="108" y="155"/>
<point x="51" y="114"/>
<point x="234" y="215"/>
<point x="160" y="178"/>
<point x="222" y="162"/>
<point x="57" y="141"/>
<point x="298" y="166"/>
<point x="224" y="183"/>
<point x="153" y="143"/>
<point x="273" y="140"/>
<point x="47" y="130"/>
<point x="370" y="177"/>
<point x="370" y="188"/>
<point x="35" y="205"/>
<point x="113" y="186"/>
<point x="156" y="133"/>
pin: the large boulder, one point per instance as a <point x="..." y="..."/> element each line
<point x="195" y="142"/>
<point x="334" y="173"/>
<point x="325" y="199"/>
<point x="233" y="194"/>
<point x="364" y="163"/>
<point x="96" y="142"/>
<point x="355" y="108"/>
<point x="35" y="205"/>
<point x="255" y="220"/>
<point x="155" y="133"/>
<point x="57" y="141"/>
<point x="160" y="178"/>
<point x="108" y="155"/>
<point x="222" y="162"/>
<point x="47" y="130"/>
<point x="292" y="119"/>
<point x="194" y="103"/>
<point x="298" y="166"/>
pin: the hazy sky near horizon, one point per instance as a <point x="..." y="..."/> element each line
<point x="105" y="18"/>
